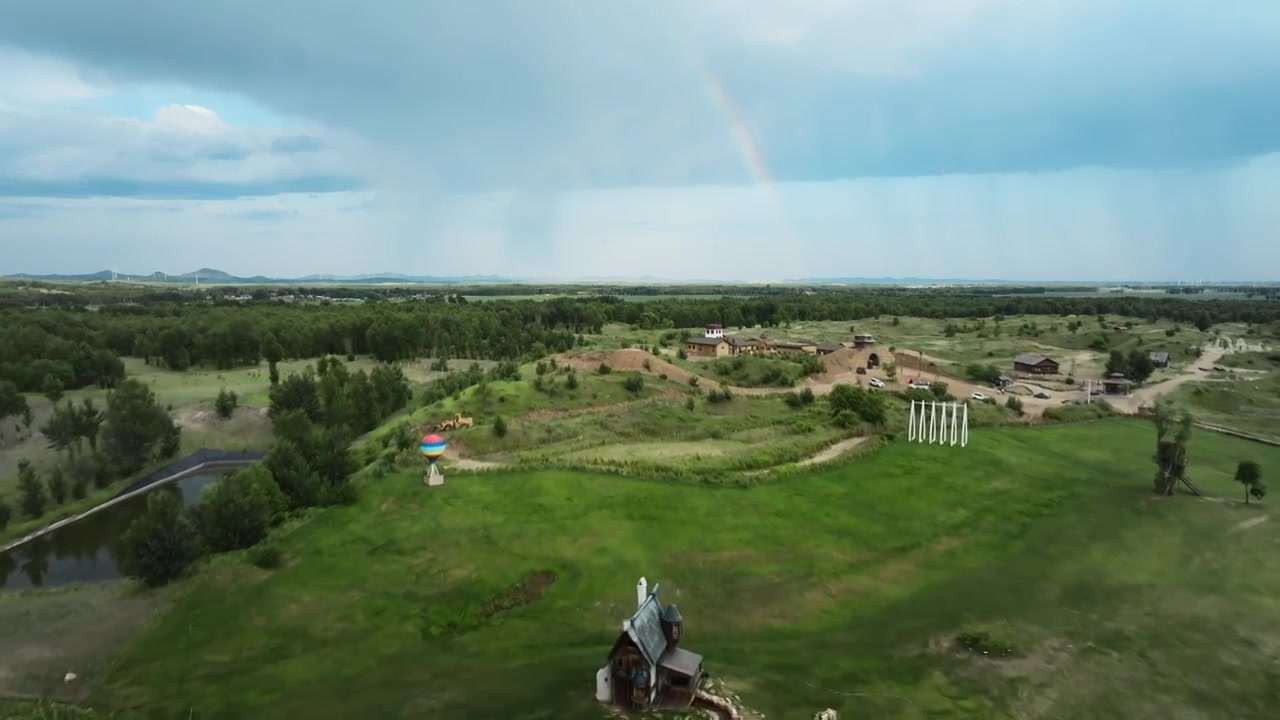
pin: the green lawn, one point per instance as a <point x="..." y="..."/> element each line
<point x="840" y="589"/>
<point x="1251" y="406"/>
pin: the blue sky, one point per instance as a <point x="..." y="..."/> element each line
<point x="724" y="139"/>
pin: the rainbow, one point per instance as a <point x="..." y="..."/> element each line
<point x="748" y="148"/>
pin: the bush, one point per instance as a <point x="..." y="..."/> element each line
<point x="1014" y="404"/>
<point x="571" y="381"/>
<point x="604" y="369"/>
<point x="689" y="405"/>
<point x="807" y="397"/>
<point x="634" y="384"/>
<point x="162" y="542"/>
<point x="6" y="513"/>
<point x="266" y="556"/>
<point x="719" y="395"/>
<point x="499" y="427"/>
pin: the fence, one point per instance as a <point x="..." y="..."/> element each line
<point x="191" y="462"/>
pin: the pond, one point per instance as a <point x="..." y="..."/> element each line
<point x="87" y="550"/>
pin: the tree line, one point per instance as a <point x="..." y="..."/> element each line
<point x="49" y="350"/>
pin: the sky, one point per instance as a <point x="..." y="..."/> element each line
<point x="717" y="140"/>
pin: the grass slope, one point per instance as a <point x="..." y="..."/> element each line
<point x="854" y="580"/>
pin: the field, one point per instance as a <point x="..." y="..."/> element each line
<point x="873" y="588"/>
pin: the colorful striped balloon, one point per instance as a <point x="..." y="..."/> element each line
<point x="433" y="447"/>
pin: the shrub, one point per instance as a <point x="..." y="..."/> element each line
<point x="6" y="513"/>
<point x="571" y="381"/>
<point x="807" y="397"/>
<point x="689" y="405"/>
<point x="162" y="542"/>
<point x="793" y="400"/>
<point x="226" y="403"/>
<point x="1014" y="404"/>
<point x="604" y="369"/>
<point x="499" y="427"/>
<point x="634" y="384"/>
<point x="266" y="556"/>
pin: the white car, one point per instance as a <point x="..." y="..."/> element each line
<point x="919" y="384"/>
<point x="978" y="396"/>
<point x="876" y="383"/>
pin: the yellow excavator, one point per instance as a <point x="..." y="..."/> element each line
<point x="457" y="422"/>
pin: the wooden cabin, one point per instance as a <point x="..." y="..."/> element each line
<point x="646" y="668"/>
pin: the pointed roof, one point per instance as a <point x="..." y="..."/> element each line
<point x="672" y="613"/>
<point x="645" y="627"/>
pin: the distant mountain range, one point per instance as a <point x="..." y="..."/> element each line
<point x="219" y="277"/>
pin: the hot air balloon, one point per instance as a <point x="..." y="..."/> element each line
<point x="433" y="447"/>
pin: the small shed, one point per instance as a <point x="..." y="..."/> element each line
<point x="1035" y="364"/>
<point x="1160" y="359"/>
<point x="827" y="349"/>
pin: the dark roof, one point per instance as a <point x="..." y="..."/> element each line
<point x="646" y="624"/>
<point x="1160" y="356"/>
<point x="733" y="340"/>
<point x="1033" y="359"/>
<point x="681" y="661"/>
<point x="792" y="343"/>
<point x="830" y="348"/>
<point x="705" y="341"/>
<point x="672" y="613"/>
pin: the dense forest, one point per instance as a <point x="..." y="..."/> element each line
<point x="43" y="348"/>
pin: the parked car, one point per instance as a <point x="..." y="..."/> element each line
<point x="876" y="383"/>
<point x="978" y="396"/>
<point x="1042" y="395"/>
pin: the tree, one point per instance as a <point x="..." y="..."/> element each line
<point x="1173" y="430"/>
<point x="1249" y="474"/>
<point x="31" y="495"/>
<point x="239" y="510"/>
<point x="1014" y="403"/>
<point x="12" y="402"/>
<point x="296" y="392"/>
<point x="1139" y="366"/>
<point x="226" y="403"/>
<point x="70" y="424"/>
<point x="499" y="427"/>
<point x="6" y="513"/>
<point x="162" y="542"/>
<point x="52" y="388"/>
<point x="334" y="465"/>
<point x="293" y="474"/>
<point x="1117" y="363"/>
<point x="891" y="371"/>
<point x="136" y="429"/>
<point x="57" y="486"/>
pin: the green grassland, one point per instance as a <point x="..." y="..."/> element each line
<point x="871" y="588"/>
<point x="1251" y="405"/>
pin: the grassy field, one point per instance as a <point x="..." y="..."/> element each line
<point x="1251" y="406"/>
<point x="856" y="588"/>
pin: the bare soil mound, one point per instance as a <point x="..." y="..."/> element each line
<point x="629" y="360"/>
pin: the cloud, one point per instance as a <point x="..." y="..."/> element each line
<point x="184" y="151"/>
<point x="504" y="94"/>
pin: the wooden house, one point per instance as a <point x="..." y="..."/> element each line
<point x="1035" y="364"/>
<point x="1160" y="359"/>
<point x="706" y="347"/>
<point x="744" y="345"/>
<point x="646" y="668"/>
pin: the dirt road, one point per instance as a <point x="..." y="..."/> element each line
<point x="1147" y="395"/>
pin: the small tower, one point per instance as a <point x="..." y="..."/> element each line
<point x="713" y="332"/>
<point x="672" y="625"/>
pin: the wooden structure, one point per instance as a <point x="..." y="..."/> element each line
<point x="863" y="340"/>
<point x="1035" y="364"/>
<point x="745" y="345"/>
<point x="647" y="669"/>
<point x="1115" y="384"/>
<point x="1160" y="359"/>
<point x="825" y="349"/>
<point x="795" y="347"/>
<point x="706" y="347"/>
